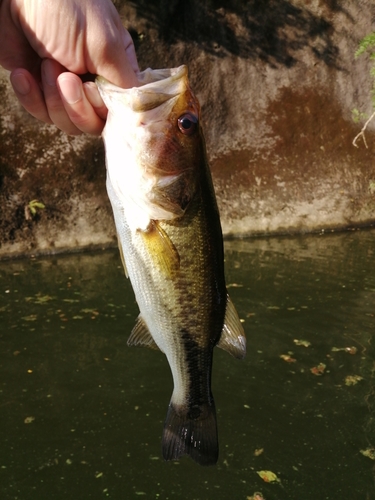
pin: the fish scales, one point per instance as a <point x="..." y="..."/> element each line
<point x="171" y="243"/>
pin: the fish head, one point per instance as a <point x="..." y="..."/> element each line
<point x="156" y="131"/>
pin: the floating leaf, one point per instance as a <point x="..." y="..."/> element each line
<point x="353" y="379"/>
<point x="39" y="298"/>
<point x="268" y="476"/>
<point x="258" y="452"/>
<point x="349" y="350"/>
<point x="31" y="317"/>
<point x="42" y="299"/>
<point x="319" y="369"/>
<point x="90" y="311"/>
<point x="287" y="358"/>
<point x="304" y="343"/>
<point x="256" y="496"/>
<point x="370" y="453"/>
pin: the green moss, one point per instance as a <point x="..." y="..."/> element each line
<point x="367" y="46"/>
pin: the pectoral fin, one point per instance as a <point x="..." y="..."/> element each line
<point x="161" y="248"/>
<point x="141" y="336"/>
<point x="232" y="338"/>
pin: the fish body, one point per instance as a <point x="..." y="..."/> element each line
<point x="170" y="239"/>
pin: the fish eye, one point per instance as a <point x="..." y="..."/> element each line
<point x="187" y="123"/>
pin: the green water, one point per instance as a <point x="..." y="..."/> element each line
<point x="81" y="413"/>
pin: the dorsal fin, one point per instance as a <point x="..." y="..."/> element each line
<point x="141" y="336"/>
<point x="232" y="338"/>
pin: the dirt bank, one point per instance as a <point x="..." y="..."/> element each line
<point x="277" y="81"/>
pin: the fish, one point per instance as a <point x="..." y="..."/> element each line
<point x="171" y="246"/>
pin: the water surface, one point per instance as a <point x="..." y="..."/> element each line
<point x="81" y="413"/>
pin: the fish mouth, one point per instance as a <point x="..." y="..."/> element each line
<point x="155" y="88"/>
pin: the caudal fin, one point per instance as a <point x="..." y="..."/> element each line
<point x="194" y="437"/>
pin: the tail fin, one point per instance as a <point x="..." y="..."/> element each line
<point x="195" y="437"/>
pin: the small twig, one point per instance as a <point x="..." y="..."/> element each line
<point x="362" y="132"/>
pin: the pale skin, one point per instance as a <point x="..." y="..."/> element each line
<point x="46" y="44"/>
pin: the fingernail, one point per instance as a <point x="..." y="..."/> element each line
<point x="20" y="84"/>
<point x="70" y="89"/>
<point x="92" y="94"/>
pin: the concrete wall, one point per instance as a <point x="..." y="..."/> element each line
<point x="277" y="81"/>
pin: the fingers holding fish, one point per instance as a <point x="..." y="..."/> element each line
<point x="82" y="104"/>
<point x="50" y="71"/>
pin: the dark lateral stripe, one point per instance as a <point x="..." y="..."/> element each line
<point x="199" y="363"/>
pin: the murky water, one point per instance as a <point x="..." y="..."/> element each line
<point x="81" y="413"/>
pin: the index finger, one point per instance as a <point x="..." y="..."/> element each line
<point x="118" y="61"/>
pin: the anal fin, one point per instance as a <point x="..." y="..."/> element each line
<point x="232" y="338"/>
<point x="141" y="336"/>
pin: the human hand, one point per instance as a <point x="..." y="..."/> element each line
<point x="47" y="44"/>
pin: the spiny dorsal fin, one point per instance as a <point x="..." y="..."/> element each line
<point x="141" y="336"/>
<point x="122" y="255"/>
<point x="161" y="248"/>
<point x="232" y="338"/>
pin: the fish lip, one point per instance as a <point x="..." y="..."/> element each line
<point x="155" y="87"/>
<point x="147" y="79"/>
<point x="150" y="77"/>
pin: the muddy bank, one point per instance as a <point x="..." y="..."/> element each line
<point x="277" y="82"/>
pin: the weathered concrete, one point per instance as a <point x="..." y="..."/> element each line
<point x="277" y="81"/>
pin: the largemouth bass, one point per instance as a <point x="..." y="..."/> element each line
<point x="171" y="245"/>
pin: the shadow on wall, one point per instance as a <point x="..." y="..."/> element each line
<point x="272" y="30"/>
